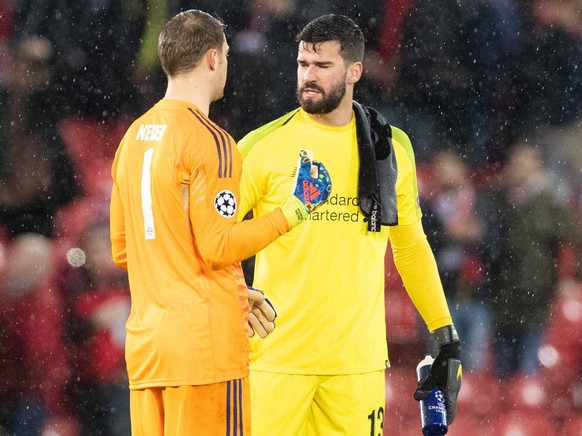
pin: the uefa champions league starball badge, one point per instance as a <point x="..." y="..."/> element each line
<point x="225" y="204"/>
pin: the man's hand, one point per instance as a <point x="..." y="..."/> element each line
<point x="446" y="371"/>
<point x="312" y="188"/>
<point x="261" y="314"/>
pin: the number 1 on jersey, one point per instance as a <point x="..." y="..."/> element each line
<point x="146" y="195"/>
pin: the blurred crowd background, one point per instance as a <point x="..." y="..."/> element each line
<point x="490" y="92"/>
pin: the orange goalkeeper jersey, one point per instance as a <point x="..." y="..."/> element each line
<point x="173" y="227"/>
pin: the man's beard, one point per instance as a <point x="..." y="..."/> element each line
<point x="328" y="103"/>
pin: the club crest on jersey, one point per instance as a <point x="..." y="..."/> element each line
<point x="225" y="204"/>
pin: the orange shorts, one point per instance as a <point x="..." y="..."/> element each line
<point x="220" y="409"/>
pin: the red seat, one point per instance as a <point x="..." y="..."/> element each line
<point x="479" y="394"/>
<point x="572" y="426"/>
<point x="401" y="408"/>
<point x="525" y="392"/>
<point x="90" y="139"/>
<point x="560" y="363"/>
<point x="559" y="382"/>
<point x="71" y="220"/>
<point x="566" y="260"/>
<point x="409" y="427"/>
<point x="561" y="351"/>
<point x="467" y="424"/>
<point x="402" y="319"/>
<point x="522" y="423"/>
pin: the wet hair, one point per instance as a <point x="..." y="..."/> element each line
<point x="332" y="27"/>
<point x="186" y="38"/>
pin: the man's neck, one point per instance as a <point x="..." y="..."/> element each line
<point x="190" y="87"/>
<point x="340" y="116"/>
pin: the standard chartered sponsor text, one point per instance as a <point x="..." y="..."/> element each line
<point x="326" y="213"/>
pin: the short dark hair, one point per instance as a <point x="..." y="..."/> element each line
<point x="332" y="27"/>
<point x="186" y="38"/>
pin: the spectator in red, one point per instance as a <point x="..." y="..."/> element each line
<point x="33" y="363"/>
<point x="98" y="299"/>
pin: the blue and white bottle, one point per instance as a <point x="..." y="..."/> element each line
<point x="433" y="411"/>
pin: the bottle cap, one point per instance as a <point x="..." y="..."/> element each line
<point x="428" y="360"/>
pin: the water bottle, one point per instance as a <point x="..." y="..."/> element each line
<point x="433" y="410"/>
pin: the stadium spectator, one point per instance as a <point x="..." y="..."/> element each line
<point x="545" y="76"/>
<point x="525" y="229"/>
<point x="95" y="51"/>
<point x="264" y="56"/>
<point x="449" y="72"/>
<point x="457" y="238"/>
<point x="33" y="363"/>
<point x="97" y="298"/>
<point x="102" y="63"/>
<point x="36" y="175"/>
<point x="150" y="79"/>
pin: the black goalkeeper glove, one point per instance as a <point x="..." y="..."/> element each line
<point x="446" y="371"/>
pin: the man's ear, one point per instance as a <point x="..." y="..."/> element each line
<point x="212" y="58"/>
<point x="354" y="72"/>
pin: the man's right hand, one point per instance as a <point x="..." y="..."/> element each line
<point x="312" y="189"/>
<point x="262" y="314"/>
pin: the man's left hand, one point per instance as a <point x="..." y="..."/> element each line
<point x="446" y="371"/>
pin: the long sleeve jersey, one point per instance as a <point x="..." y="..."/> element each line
<point x="174" y="228"/>
<point x="326" y="278"/>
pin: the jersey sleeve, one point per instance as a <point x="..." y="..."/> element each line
<point x="214" y="202"/>
<point x="417" y="266"/>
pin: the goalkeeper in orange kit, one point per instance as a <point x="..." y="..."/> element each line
<point x="174" y="205"/>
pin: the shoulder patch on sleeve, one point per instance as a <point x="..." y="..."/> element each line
<point x="225" y="204"/>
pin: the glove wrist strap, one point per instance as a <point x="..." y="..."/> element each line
<point x="445" y="335"/>
<point x="294" y="210"/>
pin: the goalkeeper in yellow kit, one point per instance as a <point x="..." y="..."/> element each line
<point x="321" y="372"/>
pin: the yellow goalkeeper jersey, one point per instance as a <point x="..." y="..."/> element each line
<point x="174" y="228"/>
<point x="326" y="278"/>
